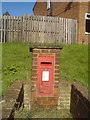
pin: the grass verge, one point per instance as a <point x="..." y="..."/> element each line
<point x="16" y="63"/>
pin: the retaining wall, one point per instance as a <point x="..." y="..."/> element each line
<point x="13" y="100"/>
<point x="80" y="102"/>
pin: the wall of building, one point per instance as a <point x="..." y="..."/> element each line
<point x="40" y="9"/>
<point x="82" y="37"/>
<point x="57" y="9"/>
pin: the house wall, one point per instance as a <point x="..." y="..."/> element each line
<point x="60" y="7"/>
<point x="40" y="9"/>
<point x="77" y="11"/>
<point x="82" y="37"/>
<point x="57" y="9"/>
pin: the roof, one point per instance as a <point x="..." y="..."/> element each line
<point x="34" y="5"/>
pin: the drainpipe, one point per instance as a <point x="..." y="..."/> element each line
<point x="51" y="8"/>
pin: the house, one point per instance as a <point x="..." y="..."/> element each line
<point x="73" y="10"/>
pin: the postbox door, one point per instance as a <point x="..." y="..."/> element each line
<point x="45" y="76"/>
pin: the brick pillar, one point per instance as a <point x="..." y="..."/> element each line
<point x="51" y="101"/>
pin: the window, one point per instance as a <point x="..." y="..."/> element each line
<point x="48" y="4"/>
<point x="87" y="23"/>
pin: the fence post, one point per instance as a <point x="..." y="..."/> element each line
<point x="0" y="29"/>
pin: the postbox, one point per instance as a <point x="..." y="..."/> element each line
<point x="45" y="76"/>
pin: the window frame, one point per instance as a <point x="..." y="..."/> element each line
<point x="48" y="4"/>
<point x="86" y="33"/>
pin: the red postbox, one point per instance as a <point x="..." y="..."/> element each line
<point x="45" y="76"/>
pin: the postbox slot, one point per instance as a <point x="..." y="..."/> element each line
<point x="46" y="63"/>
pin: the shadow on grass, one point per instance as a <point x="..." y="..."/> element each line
<point x="42" y="112"/>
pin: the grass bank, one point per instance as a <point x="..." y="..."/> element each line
<point x="74" y="63"/>
<point x="16" y="63"/>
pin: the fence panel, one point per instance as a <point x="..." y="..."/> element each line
<point x="38" y="29"/>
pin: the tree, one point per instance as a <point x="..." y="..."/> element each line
<point x="6" y="13"/>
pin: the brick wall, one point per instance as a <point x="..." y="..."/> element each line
<point x="65" y="92"/>
<point x="45" y="101"/>
<point x="40" y="9"/>
<point x="13" y="100"/>
<point x="82" y="38"/>
<point x="77" y="11"/>
<point x="57" y="10"/>
<point x="80" y="103"/>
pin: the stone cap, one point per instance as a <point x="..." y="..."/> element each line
<point x="45" y="46"/>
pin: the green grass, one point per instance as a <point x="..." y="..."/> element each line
<point x="16" y="63"/>
<point x="74" y="63"/>
<point x="42" y="112"/>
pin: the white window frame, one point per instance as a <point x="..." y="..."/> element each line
<point x="87" y="33"/>
<point x="48" y="4"/>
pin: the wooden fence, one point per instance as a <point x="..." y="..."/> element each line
<point x="38" y="29"/>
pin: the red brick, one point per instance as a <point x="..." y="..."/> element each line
<point x="33" y="83"/>
<point x="34" y="55"/>
<point x="45" y="51"/>
<point x="50" y="101"/>
<point x="40" y="101"/>
<point x="55" y="51"/>
<point x="34" y="59"/>
<point x="56" y="84"/>
<point x="33" y="95"/>
<point x="36" y="51"/>
<point x="56" y="75"/>
<point x="57" y="67"/>
<point x="56" y="92"/>
<point x="57" y="59"/>
<point x="42" y="98"/>
<point x="34" y="71"/>
<point x="32" y="100"/>
<point x="57" y="55"/>
<point x="56" y="71"/>
<point x="34" y="67"/>
<point x="34" y="79"/>
<point x="52" y="51"/>
<point x="34" y="63"/>
<point x="33" y="89"/>
<point x="46" y="54"/>
<point x="34" y="74"/>
<point x="57" y="62"/>
<point x="57" y="79"/>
